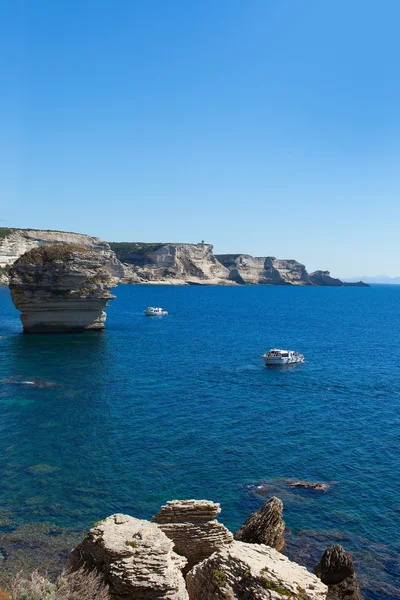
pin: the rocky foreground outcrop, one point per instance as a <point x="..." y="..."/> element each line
<point x="141" y="560"/>
<point x="252" y="572"/>
<point x="62" y="288"/>
<point x="192" y="526"/>
<point x="336" y="570"/>
<point x="135" y="557"/>
<point x="265" y="526"/>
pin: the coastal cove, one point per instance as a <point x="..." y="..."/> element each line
<point x="180" y="407"/>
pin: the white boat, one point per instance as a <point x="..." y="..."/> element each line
<point x="152" y="311"/>
<point x="282" y="357"/>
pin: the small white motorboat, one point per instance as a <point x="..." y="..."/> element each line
<point x="152" y="311"/>
<point x="282" y="357"/>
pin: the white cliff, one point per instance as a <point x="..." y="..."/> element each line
<point x="170" y="263"/>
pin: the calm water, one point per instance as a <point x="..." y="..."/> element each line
<point x="181" y="407"/>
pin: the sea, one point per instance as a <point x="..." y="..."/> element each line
<point x="153" y="409"/>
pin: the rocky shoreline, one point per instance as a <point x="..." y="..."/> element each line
<point x="184" y="553"/>
<point x="168" y="264"/>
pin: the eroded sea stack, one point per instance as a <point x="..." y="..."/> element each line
<point x="62" y="288"/>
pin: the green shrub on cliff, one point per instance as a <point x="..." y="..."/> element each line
<point x="4" y="232"/>
<point x="123" y="248"/>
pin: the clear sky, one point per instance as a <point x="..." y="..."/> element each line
<point x="269" y="127"/>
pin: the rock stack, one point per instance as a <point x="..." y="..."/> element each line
<point x="135" y="558"/>
<point x="61" y="288"/>
<point x="336" y="570"/>
<point x="192" y="526"/>
<point x="265" y="526"/>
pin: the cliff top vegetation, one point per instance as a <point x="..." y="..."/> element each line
<point x="122" y="248"/>
<point x="50" y="253"/>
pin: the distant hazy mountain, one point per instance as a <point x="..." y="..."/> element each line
<point x="374" y="279"/>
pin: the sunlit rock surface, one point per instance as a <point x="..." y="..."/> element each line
<point x="192" y="526"/>
<point x="61" y="288"/>
<point x="136" y="559"/>
<point x="246" y="269"/>
<point x="252" y="572"/>
<point x="170" y="263"/>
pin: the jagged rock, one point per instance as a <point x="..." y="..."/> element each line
<point x="191" y="525"/>
<point x="170" y="263"/>
<point x="246" y="269"/>
<point x="336" y="570"/>
<point x="61" y="288"/>
<point x="135" y="557"/>
<point x="265" y="526"/>
<point x="324" y="278"/>
<point x="252" y="572"/>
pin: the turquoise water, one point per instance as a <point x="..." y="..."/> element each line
<point x="180" y="407"/>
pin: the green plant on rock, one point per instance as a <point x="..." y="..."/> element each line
<point x="132" y="544"/>
<point x="219" y="578"/>
<point x="269" y="584"/>
<point x="301" y="593"/>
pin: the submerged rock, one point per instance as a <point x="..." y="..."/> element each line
<point x="192" y="526"/>
<point x="314" y="485"/>
<point x="336" y="570"/>
<point x="61" y="288"/>
<point x="248" y="572"/>
<point x="135" y="558"/>
<point x="265" y="526"/>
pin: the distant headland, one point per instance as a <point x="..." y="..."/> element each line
<point x="169" y="263"/>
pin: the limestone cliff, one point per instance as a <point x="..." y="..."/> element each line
<point x="324" y="278"/>
<point x="173" y="263"/>
<point x="244" y="268"/>
<point x="15" y="242"/>
<point x="170" y="263"/>
<point x="62" y="288"/>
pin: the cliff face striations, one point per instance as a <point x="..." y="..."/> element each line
<point x="244" y="268"/>
<point x="62" y="288"/>
<point x="192" y="526"/>
<point x="170" y="263"/>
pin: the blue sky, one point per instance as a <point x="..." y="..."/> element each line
<point x="270" y="127"/>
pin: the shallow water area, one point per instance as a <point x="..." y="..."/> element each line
<point x="181" y="406"/>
